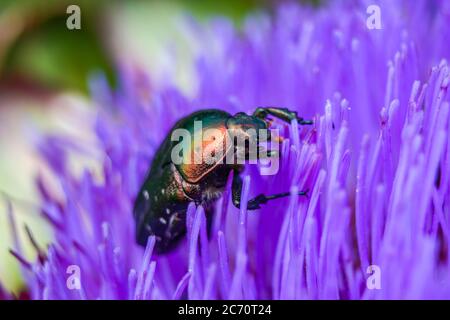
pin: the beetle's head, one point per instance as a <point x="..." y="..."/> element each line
<point x="247" y="132"/>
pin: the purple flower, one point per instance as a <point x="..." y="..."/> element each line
<point x="376" y="163"/>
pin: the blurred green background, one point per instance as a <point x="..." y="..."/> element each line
<point x="44" y="68"/>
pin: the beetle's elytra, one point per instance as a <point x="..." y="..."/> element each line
<point x="161" y="204"/>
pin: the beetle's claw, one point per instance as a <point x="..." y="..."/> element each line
<point x="304" y="193"/>
<point x="303" y="122"/>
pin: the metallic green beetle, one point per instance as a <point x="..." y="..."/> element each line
<point x="161" y="204"/>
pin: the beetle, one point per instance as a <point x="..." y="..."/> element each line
<point x="161" y="204"/>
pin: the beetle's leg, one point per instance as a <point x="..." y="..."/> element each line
<point x="280" y="113"/>
<point x="254" y="203"/>
<point x="236" y="189"/>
